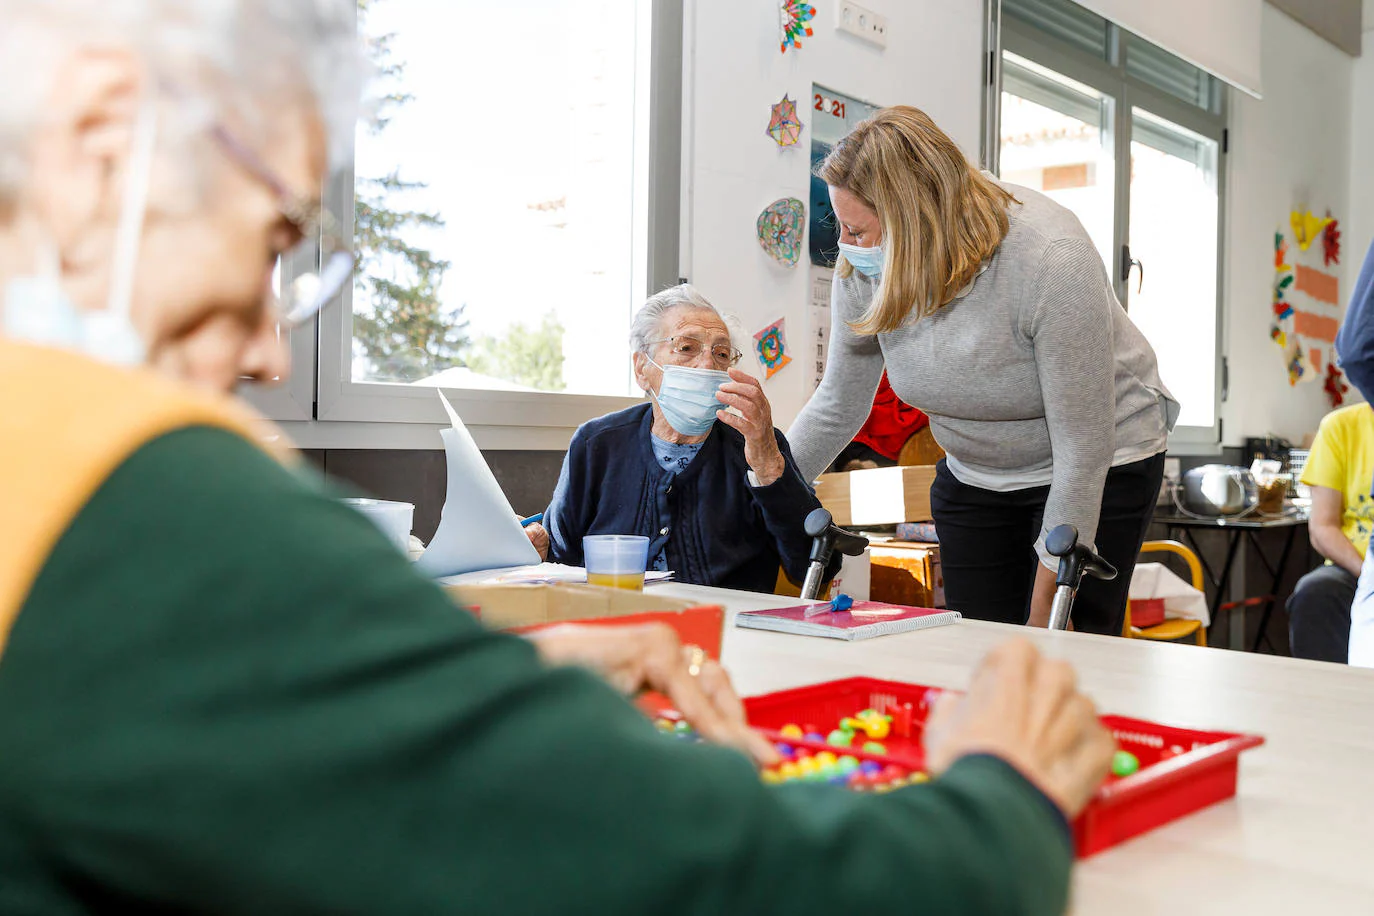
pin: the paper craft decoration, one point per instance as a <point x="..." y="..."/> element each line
<point x="1282" y="309"/>
<point x="1331" y="244"/>
<point x="1321" y="286"/>
<point x="1306" y="227"/>
<point x="1315" y="327"/>
<point x="1281" y="253"/>
<point x="1335" y="385"/>
<point x="477" y="529"/>
<point x="780" y="230"/>
<point x="784" y="126"/>
<point x="770" y="345"/>
<point x="793" y="20"/>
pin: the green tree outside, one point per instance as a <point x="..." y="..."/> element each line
<point x="523" y="355"/>
<point x="403" y="330"/>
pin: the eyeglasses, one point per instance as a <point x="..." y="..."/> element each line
<point x="689" y="348"/>
<point x="312" y="290"/>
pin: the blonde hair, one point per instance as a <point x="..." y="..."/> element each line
<point x="941" y="217"/>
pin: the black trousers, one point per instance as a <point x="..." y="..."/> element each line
<point x="987" y="545"/>
<point x="1319" y="615"/>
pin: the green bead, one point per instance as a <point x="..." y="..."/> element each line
<point x="873" y="747"/>
<point x="683" y="727"/>
<point x="848" y="764"/>
<point x="1124" y="763"/>
<point x="840" y="738"/>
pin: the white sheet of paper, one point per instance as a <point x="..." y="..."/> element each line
<point x="478" y="529"/>
<point x="544" y="573"/>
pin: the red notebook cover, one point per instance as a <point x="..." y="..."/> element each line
<point x="882" y="620"/>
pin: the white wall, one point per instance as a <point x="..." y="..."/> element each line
<point x="733" y="74"/>
<point x="1359" y="233"/>
<point x="1293" y="149"/>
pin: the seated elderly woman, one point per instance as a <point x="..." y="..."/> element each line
<point x="716" y="493"/>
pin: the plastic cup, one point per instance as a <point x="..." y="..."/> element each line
<point x="393" y="518"/>
<point x="616" y="560"/>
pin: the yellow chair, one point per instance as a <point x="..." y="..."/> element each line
<point x="1172" y="629"/>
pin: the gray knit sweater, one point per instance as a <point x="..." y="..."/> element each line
<point x="1033" y="376"/>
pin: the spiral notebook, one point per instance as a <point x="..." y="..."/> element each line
<point x="864" y="620"/>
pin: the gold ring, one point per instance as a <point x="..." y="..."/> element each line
<point x="697" y="658"/>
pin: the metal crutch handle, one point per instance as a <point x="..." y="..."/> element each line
<point x="1075" y="561"/>
<point x="826" y="538"/>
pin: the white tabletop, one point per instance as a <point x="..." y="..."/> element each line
<point x="1297" y="838"/>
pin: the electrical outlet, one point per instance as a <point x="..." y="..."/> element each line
<point x="861" y="22"/>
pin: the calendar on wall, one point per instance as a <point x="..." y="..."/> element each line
<point x="833" y="114"/>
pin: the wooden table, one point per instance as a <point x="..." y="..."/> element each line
<point x="1296" y="839"/>
<point x="1238" y="530"/>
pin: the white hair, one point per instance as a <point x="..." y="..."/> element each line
<point x="235" y="59"/>
<point x="647" y="326"/>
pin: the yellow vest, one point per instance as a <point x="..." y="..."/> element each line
<point x="66" y="423"/>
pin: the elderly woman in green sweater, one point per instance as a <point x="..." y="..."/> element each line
<point x="222" y="691"/>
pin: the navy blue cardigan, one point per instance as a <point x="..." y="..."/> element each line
<point x="716" y="528"/>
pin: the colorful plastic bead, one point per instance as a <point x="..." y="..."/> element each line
<point x="870" y="767"/>
<point x="827" y="759"/>
<point x="814" y="736"/>
<point x="789" y="770"/>
<point x="840" y="738"/>
<point x="772" y="777"/>
<point x="848" y="764"/>
<point x="791" y="731"/>
<point x="917" y="778"/>
<point x="683" y="727"/>
<point x="808" y="765"/>
<point x="873" y="747"/>
<point x="1124" y="763"/>
<point x="784" y="749"/>
<point x="855" y="777"/>
<point x="892" y="771"/>
<point x="663" y="725"/>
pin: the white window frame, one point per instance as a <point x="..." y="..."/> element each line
<point x="321" y="388"/>
<point x="1006" y="33"/>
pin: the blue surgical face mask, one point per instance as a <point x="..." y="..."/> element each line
<point x="687" y="398"/>
<point x="867" y="261"/>
<point x="38" y="310"/>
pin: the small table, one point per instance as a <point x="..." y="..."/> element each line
<point x="1238" y="530"/>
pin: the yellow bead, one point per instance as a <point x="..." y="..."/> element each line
<point x="825" y="758"/>
<point x="917" y="778"/>
<point x="791" y="731"/>
<point x="772" y="777"/>
<point x="808" y="765"/>
<point x="789" y="770"/>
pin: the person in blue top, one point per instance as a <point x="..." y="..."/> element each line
<point x="716" y="492"/>
<point x="1355" y="349"/>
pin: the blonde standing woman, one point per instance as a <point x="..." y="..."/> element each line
<point x="991" y="311"/>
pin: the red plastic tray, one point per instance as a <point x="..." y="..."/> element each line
<point x="1159" y="792"/>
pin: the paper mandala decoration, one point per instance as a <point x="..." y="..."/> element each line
<point x="780" y="230"/>
<point x="784" y="125"/>
<point x="794" y="19"/>
<point x="1306" y="227"/>
<point x="770" y="345"/>
<point x="1331" y="244"/>
<point x="1335" y="384"/>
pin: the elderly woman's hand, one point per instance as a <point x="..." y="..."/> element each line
<point x="755" y="422"/>
<point x="539" y="537"/>
<point x="649" y="657"/>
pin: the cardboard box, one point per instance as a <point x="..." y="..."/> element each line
<point x="907" y="573"/>
<point x="524" y="608"/>
<point x="879" y="496"/>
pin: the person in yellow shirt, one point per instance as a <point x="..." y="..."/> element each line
<point x="1340" y="471"/>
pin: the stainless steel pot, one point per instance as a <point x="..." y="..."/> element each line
<point x="1215" y="490"/>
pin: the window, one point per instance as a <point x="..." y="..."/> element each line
<point x="503" y="212"/>
<point x="1128" y="137"/>
<point x="1057" y="138"/>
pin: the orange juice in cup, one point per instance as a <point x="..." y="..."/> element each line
<point x="616" y="560"/>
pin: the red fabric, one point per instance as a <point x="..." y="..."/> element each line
<point x="890" y="423"/>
